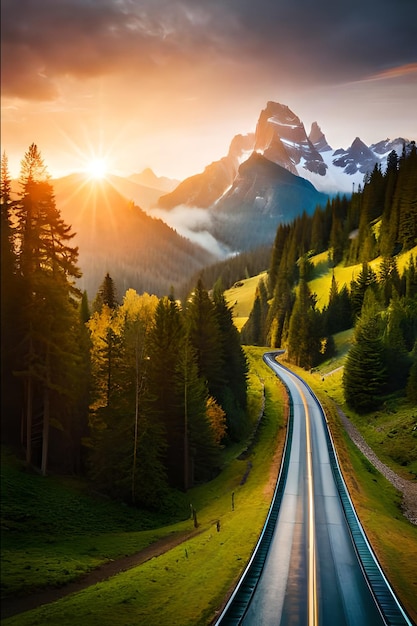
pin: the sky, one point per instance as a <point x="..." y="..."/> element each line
<point x="166" y="84"/>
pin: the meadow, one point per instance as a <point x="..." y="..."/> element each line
<point x="54" y="531"/>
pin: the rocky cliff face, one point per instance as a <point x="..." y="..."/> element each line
<point x="282" y="138"/>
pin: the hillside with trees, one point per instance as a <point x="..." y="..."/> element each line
<point x="378" y="223"/>
<point x="140" y="394"/>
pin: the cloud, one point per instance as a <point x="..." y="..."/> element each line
<point x="401" y="71"/>
<point x="193" y="223"/>
<point x="46" y="41"/>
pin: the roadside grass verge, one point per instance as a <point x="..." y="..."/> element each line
<point x="391" y="431"/>
<point x="188" y="584"/>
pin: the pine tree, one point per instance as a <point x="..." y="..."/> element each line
<point x="46" y="265"/>
<point x="406" y="196"/>
<point x="128" y="440"/>
<point x="255" y="329"/>
<point x="232" y="393"/>
<point x="389" y="279"/>
<point x="396" y="356"/>
<point x="365" y="375"/>
<point x="199" y="448"/>
<point x="366" y="279"/>
<point x="10" y="312"/>
<point x="304" y="335"/>
<point x="166" y="342"/>
<point x="106" y="295"/>
<point x="204" y="334"/>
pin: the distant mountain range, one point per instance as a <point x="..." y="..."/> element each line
<point x="114" y="235"/>
<point x="246" y="193"/>
<point x="151" y="232"/>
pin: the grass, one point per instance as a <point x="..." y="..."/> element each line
<point x="185" y="585"/>
<point x="321" y="283"/>
<point x="391" y="432"/>
<point x="241" y="298"/>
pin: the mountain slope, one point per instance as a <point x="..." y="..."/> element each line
<point x="282" y="138"/>
<point x="116" y="236"/>
<point x="262" y="196"/>
<point x="202" y="190"/>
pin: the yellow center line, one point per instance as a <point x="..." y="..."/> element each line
<point x="312" y="580"/>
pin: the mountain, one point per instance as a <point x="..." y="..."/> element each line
<point x="281" y="137"/>
<point x="202" y="190"/>
<point x="149" y="179"/>
<point x="116" y="236"/>
<point x="262" y="196"/>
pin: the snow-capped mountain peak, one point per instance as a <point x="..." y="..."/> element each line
<point x="281" y="138"/>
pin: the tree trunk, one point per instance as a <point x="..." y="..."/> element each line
<point x="45" y="431"/>
<point x="29" y="415"/>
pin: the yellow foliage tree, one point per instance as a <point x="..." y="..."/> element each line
<point x="217" y="418"/>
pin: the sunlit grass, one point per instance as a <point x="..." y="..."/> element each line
<point x="321" y="283"/>
<point x="189" y="583"/>
<point x="241" y="298"/>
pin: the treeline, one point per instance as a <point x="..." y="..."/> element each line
<point x="139" y="395"/>
<point x="378" y="220"/>
<point x="231" y="270"/>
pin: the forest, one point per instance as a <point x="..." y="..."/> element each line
<point x="379" y="221"/>
<point x="139" y="395"/>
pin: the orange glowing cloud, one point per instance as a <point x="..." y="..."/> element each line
<point x="401" y="71"/>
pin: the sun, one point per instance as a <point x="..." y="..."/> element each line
<point x="97" y="169"/>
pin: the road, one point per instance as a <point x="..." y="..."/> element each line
<point x="312" y="574"/>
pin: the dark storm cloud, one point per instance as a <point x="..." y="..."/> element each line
<point x="45" y="40"/>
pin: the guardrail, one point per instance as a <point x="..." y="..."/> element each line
<point x="235" y="608"/>
<point x="389" y="605"/>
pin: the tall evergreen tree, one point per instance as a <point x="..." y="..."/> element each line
<point x="10" y="312"/>
<point x="304" y="330"/>
<point x="166" y="342"/>
<point x="106" y="295"/>
<point x="234" y="368"/>
<point x="46" y="264"/>
<point x="365" y="376"/>
<point x="366" y="279"/>
<point x="204" y="334"/>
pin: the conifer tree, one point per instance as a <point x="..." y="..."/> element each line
<point x="46" y="265"/>
<point x="204" y="334"/>
<point x="411" y="388"/>
<point x="232" y="393"/>
<point x="396" y="356"/>
<point x="10" y="312"/>
<point x="365" y="375"/>
<point x="166" y="342"/>
<point x="366" y="279"/>
<point x="304" y="329"/>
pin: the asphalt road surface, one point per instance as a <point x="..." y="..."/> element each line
<point x="312" y="574"/>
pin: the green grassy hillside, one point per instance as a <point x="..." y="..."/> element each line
<point x="52" y="532"/>
<point x="241" y="297"/>
<point x="344" y="275"/>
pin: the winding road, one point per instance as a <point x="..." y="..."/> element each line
<point x="312" y="573"/>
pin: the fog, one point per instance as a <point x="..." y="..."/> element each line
<point x="194" y="224"/>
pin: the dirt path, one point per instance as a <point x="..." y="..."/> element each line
<point x="13" y="606"/>
<point x="407" y="488"/>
